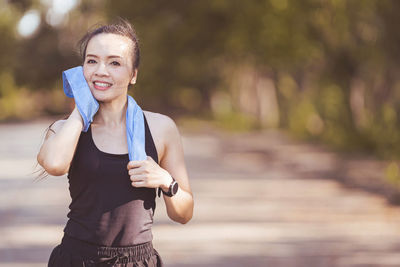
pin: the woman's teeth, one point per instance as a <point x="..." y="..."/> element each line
<point x="102" y="84"/>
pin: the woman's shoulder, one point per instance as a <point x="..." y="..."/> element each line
<point x="159" y="121"/>
<point x="163" y="129"/>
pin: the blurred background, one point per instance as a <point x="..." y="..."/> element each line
<point x="263" y="88"/>
<point x="325" y="70"/>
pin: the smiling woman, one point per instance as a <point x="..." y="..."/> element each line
<point x="108" y="66"/>
<point x="113" y="198"/>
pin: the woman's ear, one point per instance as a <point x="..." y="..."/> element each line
<point x="135" y="73"/>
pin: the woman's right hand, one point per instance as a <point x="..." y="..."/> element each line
<point x="59" y="145"/>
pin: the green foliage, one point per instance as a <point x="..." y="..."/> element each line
<point x="236" y="121"/>
<point x="8" y="38"/>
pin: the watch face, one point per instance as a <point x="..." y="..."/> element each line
<point x="175" y="187"/>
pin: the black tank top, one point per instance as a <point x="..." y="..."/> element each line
<point x="106" y="209"/>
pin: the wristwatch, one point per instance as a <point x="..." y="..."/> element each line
<point x="172" y="190"/>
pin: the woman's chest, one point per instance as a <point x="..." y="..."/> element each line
<point x="111" y="141"/>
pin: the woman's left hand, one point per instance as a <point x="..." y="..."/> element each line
<point x="147" y="173"/>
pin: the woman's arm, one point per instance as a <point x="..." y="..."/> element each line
<point x="58" y="148"/>
<point x="149" y="174"/>
<point x="180" y="206"/>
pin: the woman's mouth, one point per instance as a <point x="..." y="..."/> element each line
<point x="101" y="85"/>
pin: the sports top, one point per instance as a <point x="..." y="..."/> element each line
<point x="106" y="209"/>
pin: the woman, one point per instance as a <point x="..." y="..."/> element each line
<point x="113" y="199"/>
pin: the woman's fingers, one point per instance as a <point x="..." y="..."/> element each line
<point x="139" y="184"/>
<point x="145" y="173"/>
<point x="144" y="180"/>
<point x="141" y="166"/>
<point x="135" y="164"/>
<point x="140" y="163"/>
<point x="138" y="170"/>
<point x="138" y="178"/>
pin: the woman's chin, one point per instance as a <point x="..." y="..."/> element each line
<point x="106" y="98"/>
<point x="101" y="98"/>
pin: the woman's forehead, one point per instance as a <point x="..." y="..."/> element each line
<point x="110" y="44"/>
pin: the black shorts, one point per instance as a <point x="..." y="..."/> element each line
<point x="73" y="252"/>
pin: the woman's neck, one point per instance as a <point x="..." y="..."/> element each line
<point x="112" y="113"/>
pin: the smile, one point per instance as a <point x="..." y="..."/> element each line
<point x="101" y="85"/>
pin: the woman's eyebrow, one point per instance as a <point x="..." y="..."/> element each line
<point x="112" y="56"/>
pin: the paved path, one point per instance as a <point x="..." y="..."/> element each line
<point x="260" y="200"/>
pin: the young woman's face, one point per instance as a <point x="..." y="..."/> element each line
<point x="108" y="66"/>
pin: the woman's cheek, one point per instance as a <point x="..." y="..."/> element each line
<point x="86" y="73"/>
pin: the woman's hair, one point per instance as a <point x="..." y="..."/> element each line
<point x="120" y="27"/>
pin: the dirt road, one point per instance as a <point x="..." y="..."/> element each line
<point x="260" y="200"/>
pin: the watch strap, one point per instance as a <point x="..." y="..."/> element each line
<point x="169" y="193"/>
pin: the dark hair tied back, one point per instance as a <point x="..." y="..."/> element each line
<point x="121" y="27"/>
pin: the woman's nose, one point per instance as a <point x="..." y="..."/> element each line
<point x="101" y="70"/>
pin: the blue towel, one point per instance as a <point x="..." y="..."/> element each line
<point x="74" y="83"/>
<point x="75" y="86"/>
<point x="135" y="131"/>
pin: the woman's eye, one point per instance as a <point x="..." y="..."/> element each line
<point x="115" y="63"/>
<point x="90" y="61"/>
